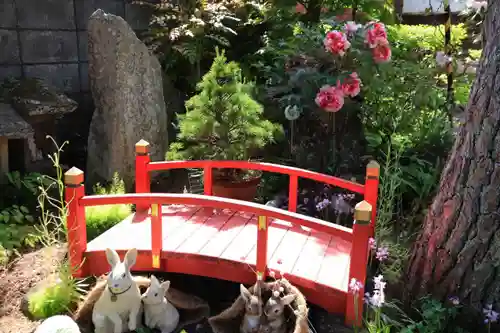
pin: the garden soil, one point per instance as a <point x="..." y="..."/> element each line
<point x="15" y="282"/>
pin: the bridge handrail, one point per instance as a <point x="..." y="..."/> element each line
<point x="218" y="202"/>
<point x="143" y="167"/>
<point x="268" y="167"/>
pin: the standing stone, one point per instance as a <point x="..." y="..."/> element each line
<point x="126" y="85"/>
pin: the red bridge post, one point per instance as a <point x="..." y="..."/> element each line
<point x="371" y="190"/>
<point x="292" y="193"/>
<point x="142" y="179"/>
<point x="361" y="232"/>
<point x="261" y="265"/>
<point x="156" y="235"/>
<point x="75" y="220"/>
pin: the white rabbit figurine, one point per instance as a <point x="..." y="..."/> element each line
<point x="120" y="303"/>
<point x="158" y="312"/>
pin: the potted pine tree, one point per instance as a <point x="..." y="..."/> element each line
<point x="224" y="122"/>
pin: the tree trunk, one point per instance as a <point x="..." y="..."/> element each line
<point x="458" y="251"/>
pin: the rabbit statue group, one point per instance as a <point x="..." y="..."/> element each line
<point x="264" y="318"/>
<point x="120" y="307"/>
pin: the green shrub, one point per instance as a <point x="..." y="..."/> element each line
<point x="101" y="218"/>
<point x="223" y="121"/>
<point x="57" y="297"/>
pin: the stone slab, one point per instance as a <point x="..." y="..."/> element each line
<point x="49" y="46"/>
<point x="64" y="77"/>
<point x="7" y="14"/>
<point x="46" y="14"/>
<point x="9" y="47"/>
<point x="83" y="45"/>
<point x="84" y="77"/>
<point x="85" y="8"/>
<point x="10" y="72"/>
<point x="12" y="125"/>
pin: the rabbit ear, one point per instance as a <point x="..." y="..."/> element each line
<point x="130" y="258"/>
<point x="288" y="299"/>
<point x="154" y="281"/>
<point x="165" y="285"/>
<point x="256" y="289"/>
<point x="113" y="257"/>
<point x="245" y="293"/>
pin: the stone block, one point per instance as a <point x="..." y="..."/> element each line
<point x="83" y="45"/>
<point x="9" y="47"/>
<point x="84" y="76"/>
<point x="46" y="14"/>
<point x="10" y="71"/>
<point x="137" y="16"/>
<point x="7" y="14"/>
<point x="49" y="46"/>
<point x="85" y="8"/>
<point x="64" y="77"/>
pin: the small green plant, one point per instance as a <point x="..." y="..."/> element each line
<point x="58" y="297"/>
<point x="61" y="295"/>
<point x="101" y="218"/>
<point x="223" y="121"/>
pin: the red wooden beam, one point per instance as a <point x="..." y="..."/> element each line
<point x="267" y="167"/>
<point x="261" y="265"/>
<point x="142" y="180"/>
<point x="75" y="220"/>
<point x="371" y="190"/>
<point x="156" y="235"/>
<point x="221" y="203"/>
<point x="292" y="193"/>
<point x="359" y="261"/>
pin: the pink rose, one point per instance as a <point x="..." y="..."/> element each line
<point x="351" y="85"/>
<point x="336" y="42"/>
<point x="330" y="98"/>
<point x="381" y="53"/>
<point x="376" y="35"/>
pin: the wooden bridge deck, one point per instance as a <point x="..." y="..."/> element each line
<point x="223" y="244"/>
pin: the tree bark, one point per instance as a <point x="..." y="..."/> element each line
<point x="458" y="251"/>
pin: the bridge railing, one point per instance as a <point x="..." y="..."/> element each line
<point x="144" y="166"/>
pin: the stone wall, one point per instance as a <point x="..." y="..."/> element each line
<point x="48" y="39"/>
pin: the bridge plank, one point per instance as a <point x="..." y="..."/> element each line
<point x="203" y="235"/>
<point x="313" y="252"/>
<point x="288" y="250"/>
<point x="219" y="242"/>
<point x="173" y="217"/>
<point x="334" y="269"/>
<point x="187" y="228"/>
<point x="243" y="243"/>
<point x="276" y="232"/>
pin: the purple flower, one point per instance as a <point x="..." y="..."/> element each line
<point x="322" y="204"/>
<point x="382" y="253"/>
<point x="355" y="286"/>
<point x="454" y="300"/>
<point x="372" y="243"/>
<point x="490" y="316"/>
<point x="367" y="298"/>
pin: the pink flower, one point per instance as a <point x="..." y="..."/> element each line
<point x="372" y="243"/>
<point x="300" y="9"/>
<point x="355" y="286"/>
<point x="381" y="53"/>
<point x="336" y="42"/>
<point x="376" y="35"/>
<point x="351" y="85"/>
<point x="351" y="27"/>
<point x="382" y="253"/>
<point x="330" y="98"/>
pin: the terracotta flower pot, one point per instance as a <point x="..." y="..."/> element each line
<point x="240" y="190"/>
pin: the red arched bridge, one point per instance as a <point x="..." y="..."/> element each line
<point x="183" y="233"/>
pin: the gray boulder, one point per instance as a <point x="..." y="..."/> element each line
<point x="126" y="85"/>
<point x="58" y="324"/>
